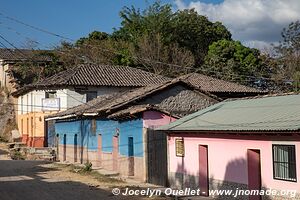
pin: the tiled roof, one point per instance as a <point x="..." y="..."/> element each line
<point x="97" y="75"/>
<point x="118" y="101"/>
<point x="269" y="113"/>
<point x="21" y="54"/>
<point x="215" y="85"/>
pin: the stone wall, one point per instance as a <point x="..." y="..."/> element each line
<point x="180" y="100"/>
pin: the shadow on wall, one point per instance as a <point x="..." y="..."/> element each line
<point x="235" y="175"/>
<point x="183" y="179"/>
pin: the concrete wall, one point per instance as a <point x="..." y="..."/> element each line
<point x="31" y="127"/>
<point x="154" y="119"/>
<point x="227" y="161"/>
<point x="103" y="157"/>
<point x="30" y="106"/>
<point x="4" y="77"/>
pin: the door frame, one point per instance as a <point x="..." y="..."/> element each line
<point x="203" y="147"/>
<point x="251" y="176"/>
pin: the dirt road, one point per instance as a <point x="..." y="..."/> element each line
<point x="39" y="180"/>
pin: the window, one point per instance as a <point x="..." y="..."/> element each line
<point x="91" y="95"/>
<point x="179" y="147"/>
<point x="284" y="162"/>
<point x="50" y="95"/>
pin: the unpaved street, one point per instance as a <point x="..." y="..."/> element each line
<point x="38" y="180"/>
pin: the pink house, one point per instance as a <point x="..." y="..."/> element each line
<point x="243" y="146"/>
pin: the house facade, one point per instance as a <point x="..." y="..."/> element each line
<point x="116" y="132"/>
<point x="70" y="88"/>
<point x="249" y="144"/>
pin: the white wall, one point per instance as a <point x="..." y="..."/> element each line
<point x="32" y="101"/>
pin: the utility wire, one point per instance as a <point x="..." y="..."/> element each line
<point x="135" y="57"/>
<point x="36" y="28"/>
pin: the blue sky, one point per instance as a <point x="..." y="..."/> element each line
<point x="254" y="22"/>
<point x="71" y="18"/>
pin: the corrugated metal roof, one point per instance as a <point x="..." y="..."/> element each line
<point x="276" y="113"/>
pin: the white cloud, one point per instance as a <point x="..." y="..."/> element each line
<point x="254" y="22"/>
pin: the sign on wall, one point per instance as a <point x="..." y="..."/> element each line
<point x="179" y="145"/>
<point x="50" y="104"/>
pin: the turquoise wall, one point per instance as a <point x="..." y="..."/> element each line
<point x="107" y="128"/>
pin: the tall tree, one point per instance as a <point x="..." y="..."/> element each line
<point x="230" y="60"/>
<point x="288" y="52"/>
<point x="195" y="32"/>
<point x="170" y="60"/>
<point x="186" y="28"/>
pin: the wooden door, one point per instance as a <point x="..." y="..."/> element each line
<point x="254" y="175"/>
<point x="130" y="156"/>
<point x="75" y="148"/>
<point x="65" y="148"/>
<point x="203" y="170"/>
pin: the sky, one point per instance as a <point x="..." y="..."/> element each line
<point x="257" y="23"/>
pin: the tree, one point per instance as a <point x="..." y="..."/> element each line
<point x="95" y="35"/>
<point x="42" y="64"/>
<point x="135" y="23"/>
<point x="169" y="60"/>
<point x="288" y="54"/>
<point x="195" y="32"/>
<point x="230" y="60"/>
<point x="186" y="28"/>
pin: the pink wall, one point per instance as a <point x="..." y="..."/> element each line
<point x="153" y="119"/>
<point x="227" y="159"/>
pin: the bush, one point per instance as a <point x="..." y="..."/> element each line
<point x="87" y="167"/>
<point x="3" y="139"/>
<point x="17" y="155"/>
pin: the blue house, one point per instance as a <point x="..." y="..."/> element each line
<point x="115" y="131"/>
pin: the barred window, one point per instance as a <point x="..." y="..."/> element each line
<point x="284" y="162"/>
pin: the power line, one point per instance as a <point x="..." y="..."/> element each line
<point x="36" y="28"/>
<point x="11" y="44"/>
<point x="135" y="57"/>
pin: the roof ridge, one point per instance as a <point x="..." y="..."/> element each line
<point x="157" y="88"/>
<point x="264" y="96"/>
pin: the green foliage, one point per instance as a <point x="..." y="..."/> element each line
<point x="42" y="64"/>
<point x="87" y="167"/>
<point x="95" y="35"/>
<point x="196" y="33"/>
<point x="186" y="28"/>
<point x="230" y="59"/>
<point x="3" y="139"/>
<point x="135" y="23"/>
<point x="16" y="155"/>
